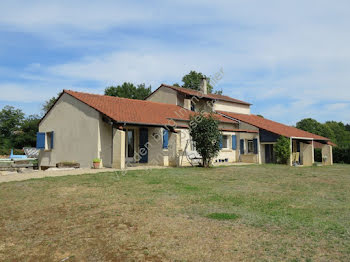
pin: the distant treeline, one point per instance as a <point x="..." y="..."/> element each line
<point x="339" y="134"/>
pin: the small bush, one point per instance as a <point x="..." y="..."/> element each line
<point x="282" y="150"/>
<point x="96" y="160"/>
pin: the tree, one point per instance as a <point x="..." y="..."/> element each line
<point x="342" y="136"/>
<point x="206" y="136"/>
<point x="10" y="121"/>
<point x="310" y="125"/>
<point x="282" y="150"/>
<point x="48" y="104"/>
<point x="129" y="90"/>
<point x="260" y="116"/>
<point x="27" y="136"/>
<point x="313" y="126"/>
<point x="347" y="127"/>
<point x="193" y="80"/>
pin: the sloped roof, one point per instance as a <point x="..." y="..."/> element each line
<point x="192" y="92"/>
<point x="272" y="126"/>
<point x="124" y="110"/>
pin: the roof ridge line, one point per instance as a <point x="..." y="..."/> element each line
<point x="123" y="98"/>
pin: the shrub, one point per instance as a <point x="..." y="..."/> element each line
<point x="282" y="150"/>
<point x="206" y="136"/>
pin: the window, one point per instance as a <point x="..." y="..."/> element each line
<point x="224" y="141"/>
<point x="44" y="140"/>
<point x="130" y="144"/>
<point x="250" y="147"/>
<point x="49" y="141"/>
<point x="193" y="106"/>
<point x="165" y="139"/>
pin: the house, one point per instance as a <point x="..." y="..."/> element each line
<point x="125" y="132"/>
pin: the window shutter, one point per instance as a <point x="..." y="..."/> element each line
<point x="52" y="133"/>
<point x="221" y="142"/>
<point x="40" y="140"/>
<point x="255" y="143"/>
<point x="165" y="138"/>
<point x="234" y="142"/>
<point x="241" y="146"/>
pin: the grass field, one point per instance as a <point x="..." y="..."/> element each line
<point x="240" y="213"/>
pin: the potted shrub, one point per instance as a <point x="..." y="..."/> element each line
<point x="96" y="162"/>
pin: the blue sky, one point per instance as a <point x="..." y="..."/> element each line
<point x="290" y="59"/>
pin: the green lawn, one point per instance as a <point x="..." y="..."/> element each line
<point x="250" y="213"/>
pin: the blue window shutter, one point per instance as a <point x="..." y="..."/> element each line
<point x="221" y="142"/>
<point x="241" y="146"/>
<point x="40" y="140"/>
<point x="255" y="143"/>
<point x="234" y="142"/>
<point x="165" y="138"/>
<point x="52" y="133"/>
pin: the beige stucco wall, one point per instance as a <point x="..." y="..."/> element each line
<point x="231" y="107"/>
<point x="77" y="133"/>
<point x="164" y="95"/>
<point x="156" y="154"/>
<point x="307" y="154"/>
<point x="184" y="138"/>
<point x="246" y="126"/>
<point x="118" y="149"/>
<point x="248" y="158"/>
<point x="327" y="151"/>
<point x="202" y="105"/>
<point x="227" y="153"/>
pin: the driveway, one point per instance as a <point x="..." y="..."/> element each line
<point x="14" y="176"/>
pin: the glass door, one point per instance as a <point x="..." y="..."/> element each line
<point x="130" y="145"/>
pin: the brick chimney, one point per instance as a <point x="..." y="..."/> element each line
<point x="204" y="85"/>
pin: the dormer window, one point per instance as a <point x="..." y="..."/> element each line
<point x="193" y="106"/>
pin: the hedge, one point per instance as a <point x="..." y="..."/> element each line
<point x="341" y="155"/>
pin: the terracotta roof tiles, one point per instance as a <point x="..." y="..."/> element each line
<point x="272" y="126"/>
<point x="124" y="110"/>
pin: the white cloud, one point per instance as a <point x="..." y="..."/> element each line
<point x="293" y="54"/>
<point x="14" y="92"/>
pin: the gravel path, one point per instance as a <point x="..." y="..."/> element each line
<point x="14" y="176"/>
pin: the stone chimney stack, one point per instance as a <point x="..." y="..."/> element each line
<point x="204" y="85"/>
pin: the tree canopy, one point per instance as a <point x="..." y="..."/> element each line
<point x="206" y="136"/>
<point x="336" y="131"/>
<point x="16" y="130"/>
<point x="10" y="120"/>
<point x="129" y="90"/>
<point x="193" y="80"/>
<point x="48" y="104"/>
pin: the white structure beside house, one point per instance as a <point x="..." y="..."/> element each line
<point x="123" y="132"/>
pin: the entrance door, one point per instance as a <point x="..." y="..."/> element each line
<point x="268" y="153"/>
<point x="130" y="145"/>
<point x="143" y="145"/>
